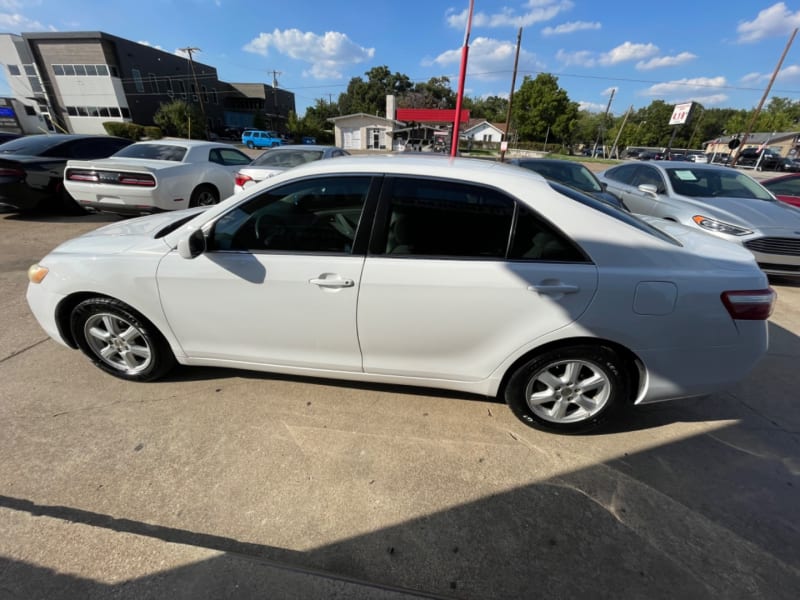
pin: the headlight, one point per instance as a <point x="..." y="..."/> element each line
<point x="719" y="226"/>
<point x="37" y="273"/>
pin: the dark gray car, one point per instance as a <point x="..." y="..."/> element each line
<point x="570" y="173"/>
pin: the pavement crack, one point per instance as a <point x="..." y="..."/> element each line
<point x="25" y="349"/>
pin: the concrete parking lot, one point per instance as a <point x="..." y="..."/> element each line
<point x="218" y="483"/>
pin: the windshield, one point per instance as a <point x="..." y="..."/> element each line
<point x="712" y="183"/>
<point x="575" y="175"/>
<point x="153" y="151"/>
<point x="286" y="158"/>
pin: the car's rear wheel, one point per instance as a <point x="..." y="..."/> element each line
<point x="120" y="341"/>
<point x="67" y="204"/>
<point x="572" y="389"/>
<point x="203" y="195"/>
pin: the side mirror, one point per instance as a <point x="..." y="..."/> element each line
<point x="192" y="245"/>
<point x="603" y="186"/>
<point x="649" y="189"/>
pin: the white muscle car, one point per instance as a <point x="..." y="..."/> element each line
<point x="155" y="176"/>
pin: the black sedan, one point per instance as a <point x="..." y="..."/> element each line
<point x="570" y="173"/>
<point x="32" y="168"/>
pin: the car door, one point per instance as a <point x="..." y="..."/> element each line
<point x="278" y="283"/>
<point x="446" y="294"/>
<point x="638" y="201"/>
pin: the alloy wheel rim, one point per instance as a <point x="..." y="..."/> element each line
<point x="118" y="343"/>
<point x="568" y="391"/>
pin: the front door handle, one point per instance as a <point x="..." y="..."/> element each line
<point x="328" y="280"/>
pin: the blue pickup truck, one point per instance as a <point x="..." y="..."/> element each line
<point x="254" y="138"/>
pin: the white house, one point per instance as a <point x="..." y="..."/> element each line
<point x="361" y="131"/>
<point x="483" y="131"/>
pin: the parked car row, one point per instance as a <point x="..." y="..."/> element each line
<point x="76" y="173"/>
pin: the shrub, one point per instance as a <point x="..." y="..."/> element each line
<point x="123" y="129"/>
<point x="153" y="132"/>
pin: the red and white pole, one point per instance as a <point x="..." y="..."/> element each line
<point x="461" y="77"/>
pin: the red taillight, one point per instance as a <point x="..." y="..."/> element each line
<point x="241" y="179"/>
<point x="140" y="180"/>
<point x="8" y="172"/>
<point x="750" y="305"/>
<point x="111" y="177"/>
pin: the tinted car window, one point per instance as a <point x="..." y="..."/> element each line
<point x="319" y="215"/>
<point x="153" y="151"/>
<point x="536" y="240"/>
<point x="32" y="145"/>
<point x="623" y="173"/>
<point x="228" y="156"/>
<point x="445" y="218"/>
<point x="286" y="158"/>
<point x="95" y="147"/>
<point x="648" y="176"/>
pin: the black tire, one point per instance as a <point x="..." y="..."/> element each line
<point x="68" y="205"/>
<point x="120" y="341"/>
<point x="577" y="388"/>
<point x="251" y="145"/>
<point x="203" y="195"/>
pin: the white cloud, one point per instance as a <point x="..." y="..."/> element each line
<point x="327" y="53"/>
<point x="531" y="12"/>
<point x="698" y="89"/>
<point x="488" y="59"/>
<point x="18" y="23"/>
<point x="622" y="53"/>
<point x="570" y="27"/>
<point x="665" y="61"/>
<point x="789" y="74"/>
<point x="146" y="43"/>
<point x="626" y="52"/>
<point x="609" y="91"/>
<point x="777" y="20"/>
<point x="594" y="107"/>
<point x="580" y="58"/>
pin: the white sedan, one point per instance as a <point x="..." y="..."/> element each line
<point x="459" y="274"/>
<point x="155" y="176"/>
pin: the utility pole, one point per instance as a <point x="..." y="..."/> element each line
<point x="619" y="133"/>
<point x="189" y="50"/>
<point x="275" y="95"/>
<point x="601" y="129"/>
<point x="511" y="96"/>
<point x="764" y="97"/>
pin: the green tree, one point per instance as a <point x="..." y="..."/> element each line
<point x="370" y="96"/>
<point x="434" y="93"/>
<point x="541" y="106"/>
<point x="180" y="119"/>
<point x="492" y="108"/>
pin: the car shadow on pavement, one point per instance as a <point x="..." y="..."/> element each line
<point x="46" y="216"/>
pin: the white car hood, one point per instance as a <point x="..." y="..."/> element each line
<point x="124" y="235"/>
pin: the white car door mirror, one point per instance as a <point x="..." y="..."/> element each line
<point x="193" y="245"/>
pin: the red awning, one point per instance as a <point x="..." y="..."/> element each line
<point x="430" y="115"/>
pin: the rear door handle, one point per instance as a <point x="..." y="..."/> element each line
<point x="552" y="289"/>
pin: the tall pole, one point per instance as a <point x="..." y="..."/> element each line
<point x="619" y="133"/>
<point x="600" y="130"/>
<point x="764" y="97"/>
<point x="189" y="51"/>
<point x="511" y="95"/>
<point x="462" y="76"/>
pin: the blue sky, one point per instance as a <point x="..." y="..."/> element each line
<point x="719" y="53"/>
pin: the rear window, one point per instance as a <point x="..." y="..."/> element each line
<point x="32" y="145"/>
<point x="286" y="158"/>
<point x="153" y="152"/>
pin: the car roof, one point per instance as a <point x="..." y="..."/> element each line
<point x="301" y="147"/>
<point x="186" y="143"/>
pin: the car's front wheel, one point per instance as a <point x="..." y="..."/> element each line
<point x="120" y="341"/>
<point x="572" y="389"/>
<point x="251" y="145"/>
